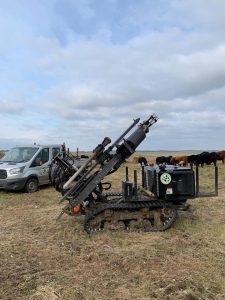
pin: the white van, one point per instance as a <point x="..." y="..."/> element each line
<point x="27" y="167"/>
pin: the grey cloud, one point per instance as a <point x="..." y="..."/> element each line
<point x="185" y="90"/>
<point x="204" y="15"/>
<point x="11" y="106"/>
<point x="99" y="74"/>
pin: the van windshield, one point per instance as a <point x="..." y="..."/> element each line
<point x="19" y="154"/>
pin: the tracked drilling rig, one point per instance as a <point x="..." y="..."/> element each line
<point x="152" y="206"/>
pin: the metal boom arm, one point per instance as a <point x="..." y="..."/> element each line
<point x="88" y="182"/>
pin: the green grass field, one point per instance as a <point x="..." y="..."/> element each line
<point x="44" y="259"/>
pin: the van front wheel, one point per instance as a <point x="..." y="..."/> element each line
<point x="31" y="185"/>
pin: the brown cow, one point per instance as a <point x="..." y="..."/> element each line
<point x="179" y="160"/>
<point x="220" y="155"/>
<point x="151" y="162"/>
<point x="135" y="159"/>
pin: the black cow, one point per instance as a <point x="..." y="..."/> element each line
<point x="163" y="160"/>
<point x="142" y="161"/>
<point x="203" y="158"/>
<point x="84" y="156"/>
<point x="192" y="159"/>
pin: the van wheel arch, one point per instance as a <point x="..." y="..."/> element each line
<point x="31" y="184"/>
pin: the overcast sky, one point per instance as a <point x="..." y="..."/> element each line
<point x="79" y="70"/>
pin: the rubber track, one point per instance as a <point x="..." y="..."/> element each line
<point x="123" y="206"/>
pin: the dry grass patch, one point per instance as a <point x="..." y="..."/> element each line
<point x="44" y="259"/>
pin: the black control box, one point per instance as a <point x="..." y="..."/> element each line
<point x="170" y="182"/>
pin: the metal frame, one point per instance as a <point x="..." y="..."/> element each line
<point x="209" y="194"/>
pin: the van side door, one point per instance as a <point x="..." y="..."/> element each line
<point x="41" y="165"/>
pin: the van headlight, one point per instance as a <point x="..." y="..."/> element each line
<point x="16" y="171"/>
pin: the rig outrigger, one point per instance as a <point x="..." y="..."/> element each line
<point x="152" y="207"/>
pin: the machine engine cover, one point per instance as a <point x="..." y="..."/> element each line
<point x="170" y="182"/>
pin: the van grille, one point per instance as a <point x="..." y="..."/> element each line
<point x="3" y="174"/>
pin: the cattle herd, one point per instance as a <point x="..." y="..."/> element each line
<point x="184" y="160"/>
